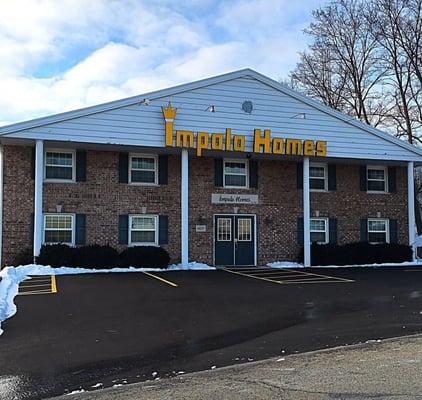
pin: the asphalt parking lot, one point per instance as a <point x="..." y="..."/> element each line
<point x="110" y="329"/>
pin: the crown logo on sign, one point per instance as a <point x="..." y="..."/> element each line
<point x="169" y="112"/>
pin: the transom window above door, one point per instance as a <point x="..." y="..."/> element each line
<point x="59" y="165"/>
<point x="143" y="169"/>
<point x="235" y="173"/>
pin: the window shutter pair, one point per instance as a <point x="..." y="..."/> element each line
<point x="332" y="231"/>
<point x="124" y="168"/>
<point x="392" y="186"/>
<point x="392" y="229"/>
<point x="80" y="165"/>
<point x="332" y="176"/>
<point x="124" y="229"/>
<point x="219" y="175"/>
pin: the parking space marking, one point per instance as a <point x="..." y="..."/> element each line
<point x="38" y="285"/>
<point x="286" y="276"/>
<point x="160" y="279"/>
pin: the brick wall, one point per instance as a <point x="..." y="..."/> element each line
<point x="280" y="205"/>
<point x="103" y="199"/>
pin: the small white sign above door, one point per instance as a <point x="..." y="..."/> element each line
<point x="219" y="198"/>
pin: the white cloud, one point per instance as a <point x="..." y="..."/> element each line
<point x="92" y="52"/>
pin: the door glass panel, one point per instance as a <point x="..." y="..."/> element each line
<point x="244" y="229"/>
<point x="224" y="229"/>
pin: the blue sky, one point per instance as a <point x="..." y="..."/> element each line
<point x="59" y="55"/>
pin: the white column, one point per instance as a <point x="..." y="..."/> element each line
<point x="185" y="207"/>
<point x="306" y="214"/>
<point x="411" y="204"/>
<point x="38" y="218"/>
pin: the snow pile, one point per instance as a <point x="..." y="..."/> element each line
<point x="285" y="264"/>
<point x="11" y="277"/>
<point x="290" y="264"/>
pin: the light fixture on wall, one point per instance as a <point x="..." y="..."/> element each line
<point x="143" y="210"/>
<point x="210" y="108"/>
<point x="59" y="208"/>
<point x="316" y="213"/>
<point x="378" y="214"/>
<point x="299" y="116"/>
<point x="235" y="210"/>
<point x="145" y="102"/>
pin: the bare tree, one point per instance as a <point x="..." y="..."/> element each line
<point x="389" y="20"/>
<point x="342" y="66"/>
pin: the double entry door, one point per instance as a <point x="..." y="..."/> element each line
<point x="234" y="238"/>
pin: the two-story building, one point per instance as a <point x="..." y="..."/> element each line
<point x="236" y="169"/>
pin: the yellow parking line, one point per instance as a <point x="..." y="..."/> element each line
<point x="250" y="276"/>
<point x="308" y="277"/>
<point x="53" y="284"/>
<point x="325" y="276"/>
<point x="161" y="279"/>
<point x="34" y="292"/>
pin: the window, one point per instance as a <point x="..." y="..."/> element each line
<point x="143" y="229"/>
<point x="235" y="174"/>
<point x="244" y="230"/>
<point x="318" y="177"/>
<point x="319" y="231"/>
<point x="59" y="165"/>
<point x="376" y="179"/>
<point x="224" y="229"/>
<point x="143" y="169"/>
<point x="378" y="231"/>
<point x="59" y="228"/>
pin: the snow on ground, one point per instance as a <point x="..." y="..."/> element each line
<point x="11" y="277"/>
<point x="289" y="264"/>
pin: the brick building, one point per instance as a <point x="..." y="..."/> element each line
<point x="231" y="170"/>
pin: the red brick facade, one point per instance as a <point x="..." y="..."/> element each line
<point x="102" y="198"/>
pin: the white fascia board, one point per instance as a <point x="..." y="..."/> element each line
<point x="247" y="72"/>
<point x="334" y="113"/>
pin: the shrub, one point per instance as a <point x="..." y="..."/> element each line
<point x="56" y="255"/>
<point x="24" y="258"/>
<point x="95" y="256"/>
<point x="145" y="256"/>
<point x="359" y="253"/>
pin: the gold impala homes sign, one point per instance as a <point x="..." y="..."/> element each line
<point x="263" y="143"/>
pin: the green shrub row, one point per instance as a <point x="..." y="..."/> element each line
<point x="95" y="256"/>
<point x="358" y="253"/>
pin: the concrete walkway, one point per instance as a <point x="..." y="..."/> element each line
<point x="391" y="369"/>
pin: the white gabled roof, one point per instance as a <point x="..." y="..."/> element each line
<point x="126" y="122"/>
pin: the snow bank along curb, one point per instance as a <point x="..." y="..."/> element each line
<point x="11" y="277"/>
<point x="289" y="264"/>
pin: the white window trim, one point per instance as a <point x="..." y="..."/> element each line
<point x="155" y="243"/>
<point x="236" y="160"/>
<point x="387" y="229"/>
<point x="143" y="155"/>
<point x="250" y="229"/>
<point x="66" y="151"/>
<point x="72" y="243"/>
<point x="325" y="166"/>
<point x="327" y="232"/>
<point x="231" y="229"/>
<point x="380" y="168"/>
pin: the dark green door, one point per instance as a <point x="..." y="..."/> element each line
<point x="234" y="240"/>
